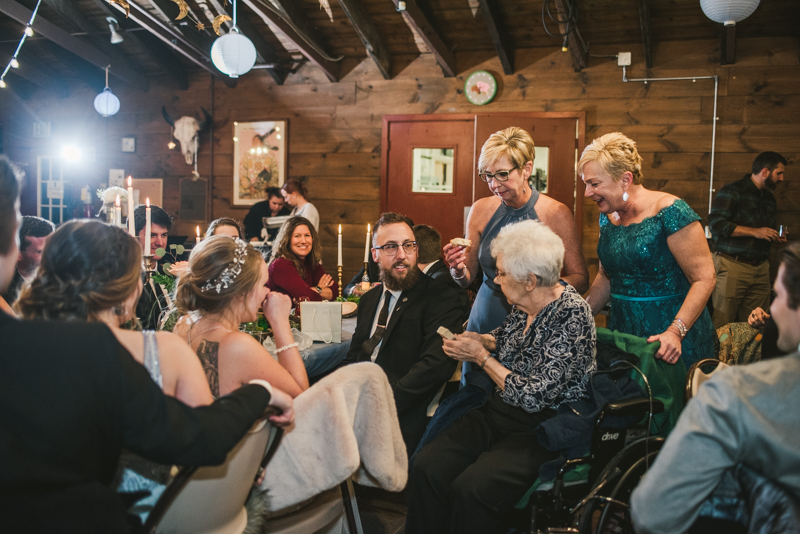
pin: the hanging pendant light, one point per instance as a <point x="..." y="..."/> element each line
<point x="106" y="103"/>
<point x="233" y="53"/>
<point x="728" y="12"/>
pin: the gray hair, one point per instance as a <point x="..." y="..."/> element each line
<point x="530" y="248"/>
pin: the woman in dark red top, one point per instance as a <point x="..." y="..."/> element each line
<point x="295" y="265"/>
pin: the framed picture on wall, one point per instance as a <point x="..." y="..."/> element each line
<point x="259" y="159"/>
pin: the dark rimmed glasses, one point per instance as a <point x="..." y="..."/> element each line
<point x="390" y="249"/>
<point x="500" y="176"/>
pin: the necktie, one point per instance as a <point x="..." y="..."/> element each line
<point x="369" y="345"/>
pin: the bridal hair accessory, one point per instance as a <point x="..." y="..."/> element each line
<point x="231" y="271"/>
<point x="625" y="196"/>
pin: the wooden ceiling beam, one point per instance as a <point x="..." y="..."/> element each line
<point x="644" y="23"/>
<point x="150" y="46"/>
<point x="84" y="71"/>
<point x="365" y="28"/>
<point x="418" y="22"/>
<point x="34" y="71"/>
<point x="499" y="34"/>
<point x="727" y="45"/>
<point x="574" y="46"/>
<point x="76" y="46"/>
<point x="330" y="68"/>
<point x="175" y="40"/>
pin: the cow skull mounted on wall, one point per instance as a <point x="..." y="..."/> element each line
<point x="186" y="130"/>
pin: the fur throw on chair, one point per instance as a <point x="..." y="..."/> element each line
<point x="345" y="425"/>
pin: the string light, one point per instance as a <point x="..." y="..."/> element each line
<point x="14" y="63"/>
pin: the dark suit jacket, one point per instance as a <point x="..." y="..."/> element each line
<point x="411" y="351"/>
<point x="71" y="397"/>
<point x="441" y="273"/>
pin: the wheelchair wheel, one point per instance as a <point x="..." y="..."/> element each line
<point x="605" y="509"/>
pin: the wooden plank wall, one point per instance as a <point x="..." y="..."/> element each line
<point x="335" y="129"/>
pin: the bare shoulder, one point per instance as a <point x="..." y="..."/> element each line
<point x="482" y="210"/>
<point x="241" y="344"/>
<point x="548" y="208"/>
<point x="171" y="341"/>
<point x="662" y="200"/>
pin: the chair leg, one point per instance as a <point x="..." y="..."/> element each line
<point x="351" y="507"/>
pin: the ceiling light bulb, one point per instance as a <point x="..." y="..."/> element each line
<point x="29" y="30"/>
<point x="14" y="63"/>
<point x="2" y="83"/>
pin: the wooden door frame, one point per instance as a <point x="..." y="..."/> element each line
<point x="580" y="142"/>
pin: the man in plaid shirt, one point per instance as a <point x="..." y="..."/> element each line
<point x="743" y="226"/>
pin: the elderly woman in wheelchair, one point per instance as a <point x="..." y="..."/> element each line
<point x="541" y="357"/>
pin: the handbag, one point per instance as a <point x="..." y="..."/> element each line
<point x="322" y="321"/>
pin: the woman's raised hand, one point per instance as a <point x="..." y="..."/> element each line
<point x="325" y="281"/>
<point x="277" y="307"/>
<point x="456" y="257"/>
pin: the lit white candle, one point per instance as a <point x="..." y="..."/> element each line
<point x="366" y="248"/>
<point x="147" y="228"/>
<point x="117" y="212"/>
<point x="112" y="216"/>
<point x="339" y="264"/>
<point x="131" y="222"/>
<point x="198" y="235"/>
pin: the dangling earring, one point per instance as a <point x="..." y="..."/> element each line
<point x="625" y="196"/>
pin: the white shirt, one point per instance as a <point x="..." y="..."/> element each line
<point x="395" y="295"/>
<point x="428" y="267"/>
<point x="309" y="212"/>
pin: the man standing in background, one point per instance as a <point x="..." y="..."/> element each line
<point x="743" y="224"/>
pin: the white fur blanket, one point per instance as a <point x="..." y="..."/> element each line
<point x="345" y="425"/>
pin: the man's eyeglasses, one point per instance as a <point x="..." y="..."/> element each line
<point x="500" y="176"/>
<point x="390" y="249"/>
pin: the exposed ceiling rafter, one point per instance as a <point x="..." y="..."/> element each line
<point x="574" y="45"/>
<point x="499" y="34"/>
<point x="365" y="28"/>
<point x="74" y="45"/>
<point x="418" y="22"/>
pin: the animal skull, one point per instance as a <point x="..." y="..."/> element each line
<point x="186" y="130"/>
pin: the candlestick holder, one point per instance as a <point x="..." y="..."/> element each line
<point x="339" y="268"/>
<point x="149" y="263"/>
<point x="365" y="282"/>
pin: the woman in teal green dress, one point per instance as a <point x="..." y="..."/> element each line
<point x="655" y="265"/>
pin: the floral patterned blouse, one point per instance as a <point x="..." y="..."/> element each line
<point x="553" y="361"/>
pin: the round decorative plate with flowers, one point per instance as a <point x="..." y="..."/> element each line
<point x="480" y="87"/>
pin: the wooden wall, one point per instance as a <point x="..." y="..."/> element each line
<point x="335" y="129"/>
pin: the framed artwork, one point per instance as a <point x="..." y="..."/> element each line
<point x="259" y="159"/>
<point x="152" y="188"/>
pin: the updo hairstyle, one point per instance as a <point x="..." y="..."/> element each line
<point x="295" y="186"/>
<point x="616" y="154"/>
<point x="87" y="267"/>
<point x="514" y="143"/>
<point x="206" y="263"/>
<point x="224" y="221"/>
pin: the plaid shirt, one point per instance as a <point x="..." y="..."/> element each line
<point x="742" y="204"/>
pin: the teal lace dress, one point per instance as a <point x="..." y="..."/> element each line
<point x="647" y="284"/>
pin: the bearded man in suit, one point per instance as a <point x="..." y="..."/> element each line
<point x="397" y="324"/>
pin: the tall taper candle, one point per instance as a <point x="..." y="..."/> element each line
<point x="147" y="228"/>
<point x="339" y="262"/>
<point x="366" y="248"/>
<point x="198" y="235"/>
<point x="131" y="222"/>
<point x="117" y="212"/>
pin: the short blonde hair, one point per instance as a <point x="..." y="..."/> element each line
<point x="514" y="143"/>
<point x="530" y="248"/>
<point x="616" y="154"/>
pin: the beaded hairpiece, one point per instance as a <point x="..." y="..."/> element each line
<point x="230" y="272"/>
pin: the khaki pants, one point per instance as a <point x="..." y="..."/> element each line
<point x="740" y="289"/>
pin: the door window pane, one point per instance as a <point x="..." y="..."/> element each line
<point x="433" y="170"/>
<point x="541" y="164"/>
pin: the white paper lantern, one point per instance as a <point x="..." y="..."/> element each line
<point x="233" y="54"/>
<point x="106" y="103"/>
<point x="728" y="12"/>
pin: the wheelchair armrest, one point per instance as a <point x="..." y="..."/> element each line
<point x="637" y="406"/>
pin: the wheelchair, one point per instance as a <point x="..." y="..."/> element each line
<point x="590" y="495"/>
